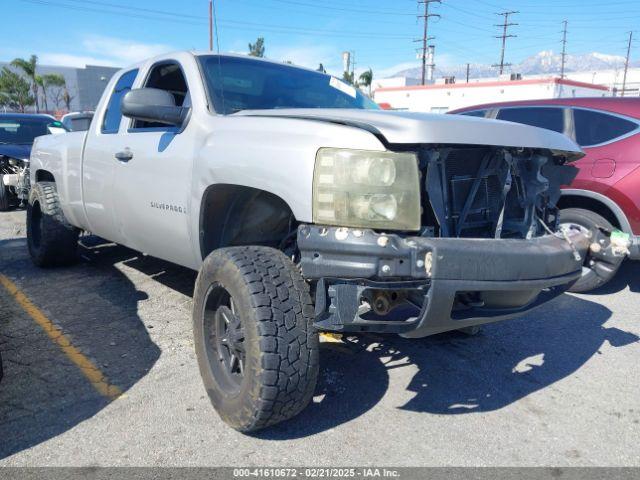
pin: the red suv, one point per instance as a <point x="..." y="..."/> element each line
<point x="606" y="193"/>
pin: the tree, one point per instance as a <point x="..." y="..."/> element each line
<point x="257" y="49"/>
<point x="67" y="98"/>
<point x="365" y="79"/>
<point x="14" y="91"/>
<point x="49" y="81"/>
<point x="348" y="77"/>
<point x="29" y="69"/>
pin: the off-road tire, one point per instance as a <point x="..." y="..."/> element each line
<point x="52" y="240"/>
<point x="5" y="196"/>
<point x="605" y="267"/>
<point x="281" y="362"/>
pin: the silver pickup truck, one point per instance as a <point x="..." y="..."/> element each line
<point x="305" y="208"/>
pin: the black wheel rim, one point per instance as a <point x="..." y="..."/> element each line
<point x="35" y="224"/>
<point x="225" y="339"/>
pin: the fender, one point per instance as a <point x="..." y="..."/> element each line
<point x="613" y="206"/>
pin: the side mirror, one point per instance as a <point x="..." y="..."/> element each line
<point x="152" y="105"/>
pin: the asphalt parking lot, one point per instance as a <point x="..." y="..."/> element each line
<point x="100" y="370"/>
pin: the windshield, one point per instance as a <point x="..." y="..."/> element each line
<point x="22" y="131"/>
<point x="236" y="84"/>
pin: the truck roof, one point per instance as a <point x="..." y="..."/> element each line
<point x="199" y="53"/>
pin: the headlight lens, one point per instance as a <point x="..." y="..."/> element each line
<point x="360" y="188"/>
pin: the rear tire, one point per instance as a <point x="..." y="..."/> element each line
<point x="254" y="338"/>
<point x="5" y="196"/>
<point x="600" y="267"/>
<point x="52" y="240"/>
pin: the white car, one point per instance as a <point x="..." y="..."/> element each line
<point x="304" y="208"/>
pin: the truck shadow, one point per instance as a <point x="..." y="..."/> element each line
<point x="457" y="374"/>
<point x="43" y="394"/>
<point x="450" y="374"/>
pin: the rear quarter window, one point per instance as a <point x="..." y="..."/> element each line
<point x="594" y="128"/>
<point x="550" y="118"/>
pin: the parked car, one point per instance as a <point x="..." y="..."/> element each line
<point x="77" y="121"/>
<point x="605" y="195"/>
<point x="17" y="133"/>
<point x="304" y="207"/>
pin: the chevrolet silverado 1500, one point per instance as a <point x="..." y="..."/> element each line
<point x="305" y="208"/>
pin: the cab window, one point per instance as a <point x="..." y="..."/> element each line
<point x="550" y="118"/>
<point x="113" y="115"/>
<point x="594" y="128"/>
<point x="169" y="77"/>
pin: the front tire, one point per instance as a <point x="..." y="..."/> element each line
<point x="599" y="267"/>
<point x="52" y="240"/>
<point x="254" y="338"/>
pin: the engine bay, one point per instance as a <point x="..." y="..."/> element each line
<point x="491" y="192"/>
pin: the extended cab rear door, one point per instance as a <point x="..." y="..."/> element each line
<point x="99" y="164"/>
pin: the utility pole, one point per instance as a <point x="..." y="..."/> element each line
<point x="468" y="65"/>
<point x="353" y="66"/>
<point x="564" y="48"/>
<point x="626" y="65"/>
<point x="425" y="36"/>
<point x="211" y="25"/>
<point x="504" y="37"/>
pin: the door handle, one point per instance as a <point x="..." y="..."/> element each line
<point x="125" y="155"/>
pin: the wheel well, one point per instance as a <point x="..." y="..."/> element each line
<point x="44" y="176"/>
<point x="577" y="201"/>
<point x="234" y="215"/>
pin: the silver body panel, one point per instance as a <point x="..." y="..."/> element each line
<point x="412" y="127"/>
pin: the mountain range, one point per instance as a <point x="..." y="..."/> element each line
<point x="545" y="62"/>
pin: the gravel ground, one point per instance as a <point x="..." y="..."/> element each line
<point x="557" y="387"/>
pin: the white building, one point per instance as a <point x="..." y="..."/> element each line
<point x="443" y="95"/>
<point x="611" y="78"/>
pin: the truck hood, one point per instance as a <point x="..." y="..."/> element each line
<point x="20" y="152"/>
<point x="412" y="127"/>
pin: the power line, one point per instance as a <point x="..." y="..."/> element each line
<point x="504" y="36"/>
<point x="564" y="48"/>
<point x="230" y="24"/>
<point x="626" y="64"/>
<point x="425" y="35"/>
<point x="343" y="9"/>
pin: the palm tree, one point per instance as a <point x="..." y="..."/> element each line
<point x="365" y="79"/>
<point x="47" y="81"/>
<point x="67" y="98"/>
<point x="257" y="49"/>
<point x="348" y="77"/>
<point x="29" y="69"/>
<point x="14" y="91"/>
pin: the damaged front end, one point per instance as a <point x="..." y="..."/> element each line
<point x="492" y="192"/>
<point x="14" y="175"/>
<point x="488" y="247"/>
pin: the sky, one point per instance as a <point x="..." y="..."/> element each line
<point x="309" y="32"/>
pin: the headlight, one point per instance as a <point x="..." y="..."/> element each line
<point x="360" y="188"/>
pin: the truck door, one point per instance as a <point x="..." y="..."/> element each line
<point x="152" y="177"/>
<point x="99" y="165"/>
